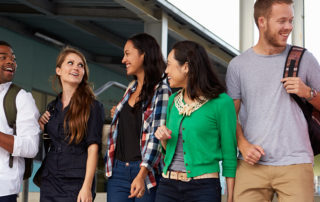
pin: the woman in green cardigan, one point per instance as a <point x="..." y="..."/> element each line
<point x="200" y="130"/>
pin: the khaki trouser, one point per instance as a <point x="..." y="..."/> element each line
<point x="259" y="183"/>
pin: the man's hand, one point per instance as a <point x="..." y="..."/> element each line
<point x="251" y="153"/>
<point x="296" y="86"/>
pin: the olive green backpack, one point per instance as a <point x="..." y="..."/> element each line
<point x="10" y="110"/>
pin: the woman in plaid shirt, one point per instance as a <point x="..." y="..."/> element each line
<point x="133" y="155"/>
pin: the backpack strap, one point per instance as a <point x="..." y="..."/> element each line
<point x="10" y="110"/>
<point x="292" y="64"/>
<point x="291" y="69"/>
<point x="9" y="105"/>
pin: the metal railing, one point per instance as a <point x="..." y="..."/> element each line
<point x="108" y="85"/>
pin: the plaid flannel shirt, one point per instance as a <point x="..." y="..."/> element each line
<point x="152" y="117"/>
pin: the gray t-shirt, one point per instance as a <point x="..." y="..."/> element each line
<point x="177" y="163"/>
<point x="268" y="115"/>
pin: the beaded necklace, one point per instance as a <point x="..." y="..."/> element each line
<point x="187" y="109"/>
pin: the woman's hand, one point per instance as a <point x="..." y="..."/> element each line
<point x="137" y="187"/>
<point x="84" y="195"/>
<point x="163" y="133"/>
<point x="113" y="109"/>
<point x="43" y="120"/>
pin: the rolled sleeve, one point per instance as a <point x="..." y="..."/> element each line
<point x="26" y="141"/>
<point x="95" y="125"/>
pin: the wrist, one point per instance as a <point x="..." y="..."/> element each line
<point x="242" y="143"/>
<point x="164" y="143"/>
<point x="86" y="186"/>
<point x="312" y="93"/>
<point x="142" y="173"/>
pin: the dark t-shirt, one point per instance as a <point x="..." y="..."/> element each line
<point x="129" y="131"/>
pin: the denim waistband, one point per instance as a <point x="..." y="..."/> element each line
<point x="127" y="164"/>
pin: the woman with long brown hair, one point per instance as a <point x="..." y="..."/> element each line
<point x="74" y="123"/>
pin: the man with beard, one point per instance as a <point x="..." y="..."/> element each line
<point x="272" y="133"/>
<point x="26" y="139"/>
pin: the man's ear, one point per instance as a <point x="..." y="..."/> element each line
<point x="262" y="22"/>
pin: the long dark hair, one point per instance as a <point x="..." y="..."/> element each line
<point x="80" y="103"/>
<point x="202" y="80"/>
<point x="153" y="65"/>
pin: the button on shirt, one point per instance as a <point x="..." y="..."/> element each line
<point x="26" y="141"/>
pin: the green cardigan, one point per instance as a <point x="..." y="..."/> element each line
<point x="209" y="136"/>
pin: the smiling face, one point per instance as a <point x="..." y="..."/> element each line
<point x="278" y="25"/>
<point x="8" y="64"/>
<point x="71" y="70"/>
<point x="177" y="74"/>
<point x="133" y="59"/>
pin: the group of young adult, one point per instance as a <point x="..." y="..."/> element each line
<point x="164" y="147"/>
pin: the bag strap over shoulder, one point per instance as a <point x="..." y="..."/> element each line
<point x="291" y="69"/>
<point x="292" y="64"/>
<point x="10" y="110"/>
<point x="9" y="104"/>
<point x="311" y="114"/>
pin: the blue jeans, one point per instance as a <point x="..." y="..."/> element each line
<point x="119" y="184"/>
<point x="200" y="190"/>
<point x="9" y="198"/>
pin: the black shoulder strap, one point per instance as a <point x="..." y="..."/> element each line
<point x="291" y="69"/>
<point x="9" y="105"/>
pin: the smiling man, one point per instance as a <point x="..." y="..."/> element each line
<point x="20" y="142"/>
<point x="272" y="133"/>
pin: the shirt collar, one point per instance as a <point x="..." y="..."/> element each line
<point x="133" y="86"/>
<point x="4" y="86"/>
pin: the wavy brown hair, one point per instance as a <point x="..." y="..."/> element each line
<point x="77" y="116"/>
